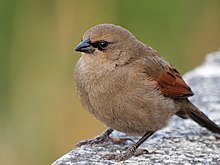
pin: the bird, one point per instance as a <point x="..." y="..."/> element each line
<point x="130" y="88"/>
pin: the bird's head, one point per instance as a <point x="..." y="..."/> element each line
<point x="107" y="41"/>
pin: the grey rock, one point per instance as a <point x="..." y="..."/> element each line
<point x="182" y="141"/>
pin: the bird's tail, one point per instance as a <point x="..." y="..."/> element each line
<point x="199" y="117"/>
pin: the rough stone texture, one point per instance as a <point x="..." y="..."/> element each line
<point x="182" y="141"/>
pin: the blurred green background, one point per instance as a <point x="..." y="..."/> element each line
<point x="40" y="115"/>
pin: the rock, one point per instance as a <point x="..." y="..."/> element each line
<point x="182" y="141"/>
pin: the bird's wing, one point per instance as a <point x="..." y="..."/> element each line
<point x="169" y="80"/>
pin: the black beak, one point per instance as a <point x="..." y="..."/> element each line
<point x="85" y="46"/>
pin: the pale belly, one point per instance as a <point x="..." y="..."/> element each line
<point x="133" y="112"/>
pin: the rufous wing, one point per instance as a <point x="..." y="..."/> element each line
<point x="169" y="80"/>
<point x="171" y="83"/>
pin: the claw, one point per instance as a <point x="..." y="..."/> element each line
<point x="97" y="140"/>
<point x="109" y="156"/>
<point x="119" y="157"/>
<point x="125" y="155"/>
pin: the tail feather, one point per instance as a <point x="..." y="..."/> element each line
<point x="204" y="121"/>
<point x="199" y="117"/>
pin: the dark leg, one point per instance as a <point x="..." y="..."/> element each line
<point x="102" y="138"/>
<point x="97" y="140"/>
<point x="131" y="150"/>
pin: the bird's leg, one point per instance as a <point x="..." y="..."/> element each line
<point x="97" y="140"/>
<point x="130" y="151"/>
<point x="102" y="138"/>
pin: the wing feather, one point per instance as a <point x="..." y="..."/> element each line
<point x="169" y="80"/>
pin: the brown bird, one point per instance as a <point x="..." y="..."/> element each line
<point x="126" y="85"/>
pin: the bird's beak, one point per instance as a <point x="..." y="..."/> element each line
<point x="85" y="46"/>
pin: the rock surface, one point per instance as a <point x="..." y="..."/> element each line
<point x="182" y="141"/>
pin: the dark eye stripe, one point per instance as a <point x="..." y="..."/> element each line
<point x="95" y="44"/>
<point x="101" y="45"/>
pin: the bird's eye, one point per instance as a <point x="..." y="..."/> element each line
<point x="102" y="45"/>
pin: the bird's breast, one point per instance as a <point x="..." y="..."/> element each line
<point x="121" y="99"/>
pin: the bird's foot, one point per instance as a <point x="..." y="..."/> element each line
<point x="125" y="155"/>
<point x="103" y="138"/>
<point x="97" y="140"/>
